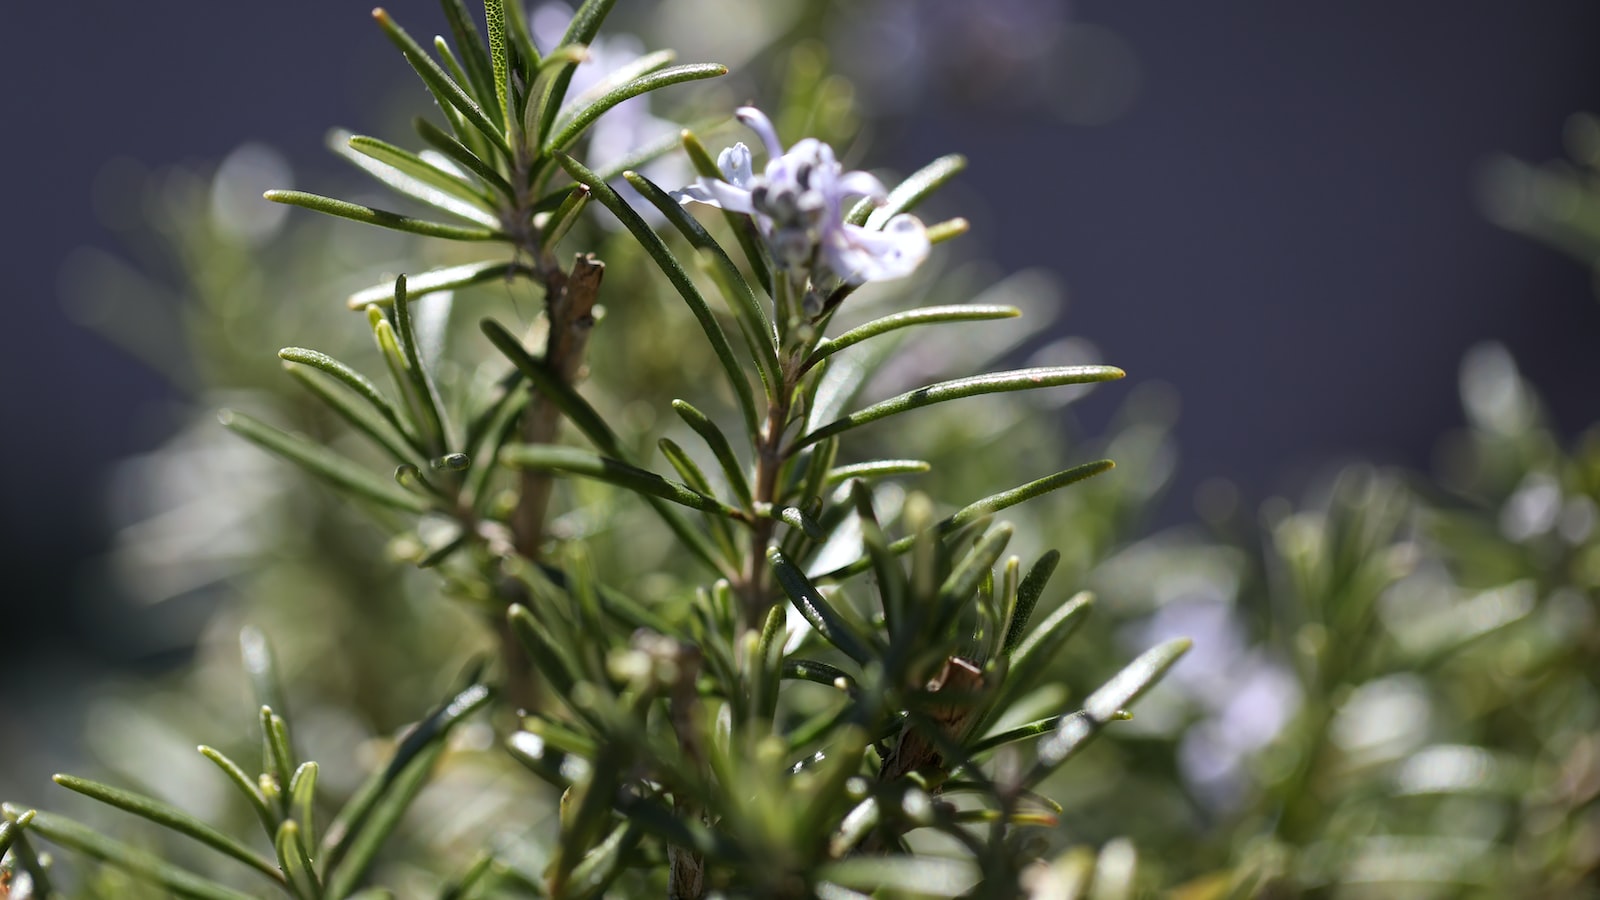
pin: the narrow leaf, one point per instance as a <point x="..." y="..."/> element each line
<point x="985" y="507"/>
<point x="680" y="280"/>
<point x="994" y="382"/>
<point x="907" y="194"/>
<point x="354" y="380"/>
<point x="302" y="800"/>
<point x="820" y="673"/>
<point x="568" y="132"/>
<point x="244" y="783"/>
<point x="1020" y="733"/>
<point x="422" y="170"/>
<point x="138" y="863"/>
<point x="480" y="71"/>
<point x="447" y="279"/>
<point x="743" y="228"/>
<point x="719" y="446"/>
<point x="351" y="867"/>
<point x="827" y="621"/>
<point x="547" y="652"/>
<point x="1028" y="594"/>
<point x="584" y="26"/>
<point x="926" y="316"/>
<point x="1105" y="705"/>
<point x="463" y="156"/>
<point x="696" y="479"/>
<point x="500" y="60"/>
<point x="398" y="179"/>
<point x="920" y="876"/>
<point x="878" y="468"/>
<point x="296" y="862"/>
<point x="551" y="458"/>
<point x="546" y="382"/>
<point x="324" y="463"/>
<point x="443" y="87"/>
<point x="1006" y="499"/>
<point x="412" y="753"/>
<point x="423" y="391"/>
<point x="381" y="217"/>
<point x="166" y="816"/>
<point x="748" y="311"/>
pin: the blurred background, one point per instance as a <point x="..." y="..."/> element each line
<point x="1275" y="209"/>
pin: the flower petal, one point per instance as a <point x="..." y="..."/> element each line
<point x="862" y="184"/>
<point x="859" y="254"/>
<point x="734" y="164"/>
<point x="757" y="121"/>
<point x="731" y="198"/>
<point x="695" y="193"/>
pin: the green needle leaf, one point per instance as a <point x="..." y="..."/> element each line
<point x="296" y="862"/>
<point x="463" y="156"/>
<point x="994" y="382"/>
<point x="244" y="783"/>
<point x="401" y="180"/>
<point x="371" y="812"/>
<point x="10" y="831"/>
<point x="985" y="507"/>
<point x="500" y="60"/>
<point x="696" y="479"/>
<point x="818" y="611"/>
<point x="1020" y="733"/>
<point x="719" y="446"/>
<point x="878" y="468"/>
<point x="423" y="393"/>
<point x="573" y="461"/>
<point x="1006" y="499"/>
<point x="469" y="44"/>
<point x="1028" y="595"/>
<point x="907" y="194"/>
<point x="571" y="128"/>
<point x="381" y="217"/>
<point x="675" y="273"/>
<point x="925" y="316"/>
<point x="546" y="651"/>
<point x="302" y="797"/>
<point x="359" y="417"/>
<point x="973" y="568"/>
<point x="581" y="414"/>
<point x="422" y="170"/>
<point x="917" y="876"/>
<point x="584" y="26"/>
<point x="569" y="401"/>
<point x="324" y="463"/>
<point x="142" y="865"/>
<point x="1024" y="666"/>
<point x="432" y="281"/>
<point x="166" y="816"/>
<point x="1105" y="705"/>
<point x="355" y="381"/>
<point x="638" y="68"/>
<point x="820" y="673"/>
<point x="442" y="86"/>
<point x="754" y="323"/>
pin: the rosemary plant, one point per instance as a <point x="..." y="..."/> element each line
<point x="839" y="696"/>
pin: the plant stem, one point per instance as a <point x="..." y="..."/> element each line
<point x="570" y="299"/>
<point x="753" y="588"/>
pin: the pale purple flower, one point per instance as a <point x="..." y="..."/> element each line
<point x="798" y="203"/>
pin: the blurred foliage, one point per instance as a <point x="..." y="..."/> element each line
<point x="1392" y="690"/>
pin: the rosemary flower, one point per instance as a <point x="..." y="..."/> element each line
<point x="799" y="203"/>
